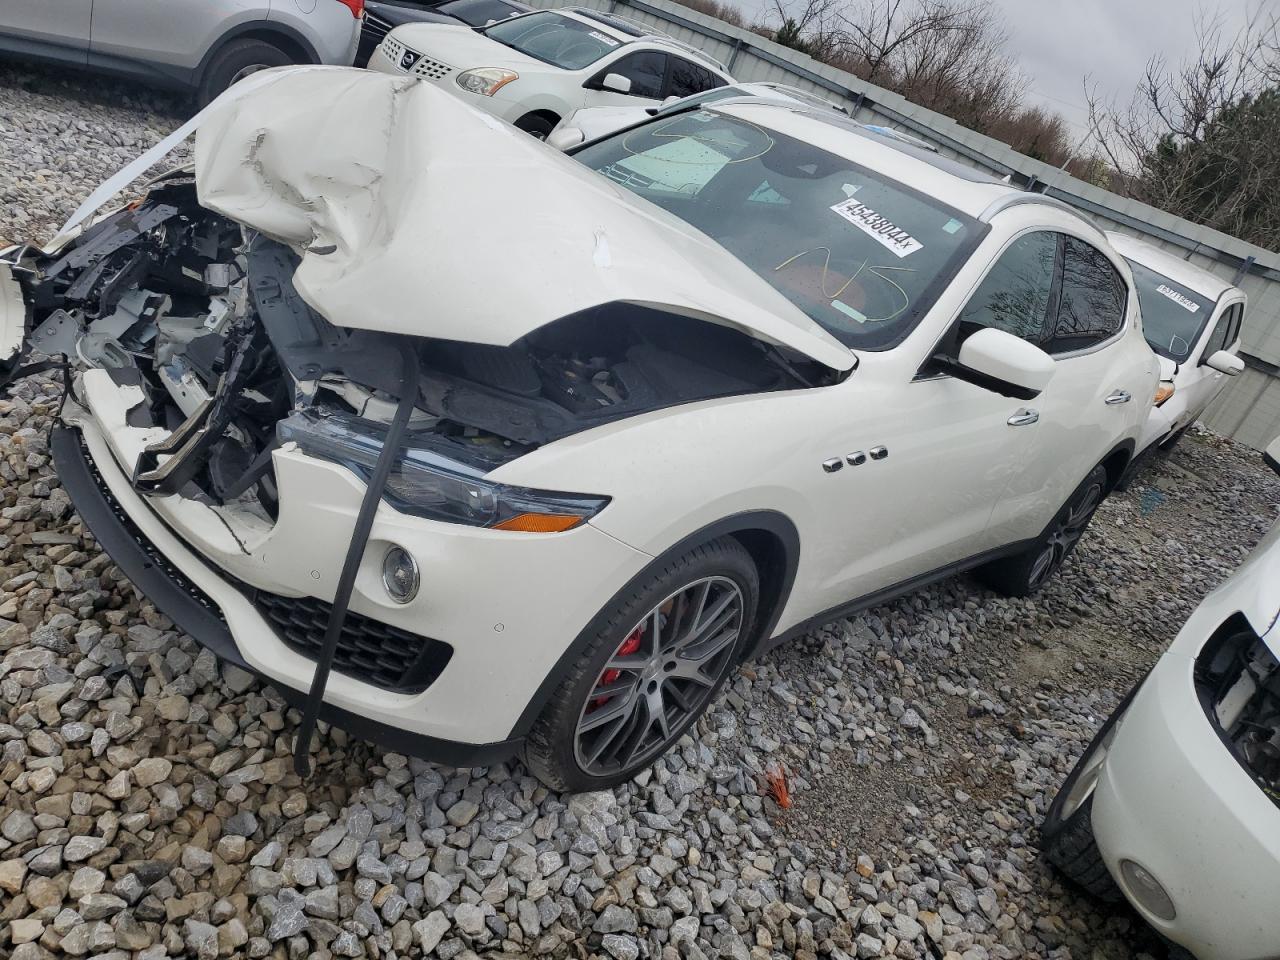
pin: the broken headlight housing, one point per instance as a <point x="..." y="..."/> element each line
<point x="1238" y="680"/>
<point x="427" y="484"/>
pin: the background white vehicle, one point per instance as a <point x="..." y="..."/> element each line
<point x="204" y="45"/>
<point x="591" y="123"/>
<point x="1175" y="805"/>
<point x="1192" y="319"/>
<point x="536" y="69"/>
<point x="793" y="368"/>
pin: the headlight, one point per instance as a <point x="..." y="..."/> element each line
<point x="424" y="483"/>
<point x="485" y="81"/>
<point x="1164" y="391"/>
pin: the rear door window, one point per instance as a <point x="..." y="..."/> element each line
<point x="688" y="78"/>
<point x="1091" y="306"/>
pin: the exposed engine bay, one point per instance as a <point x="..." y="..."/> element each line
<point x="201" y="317"/>
<point x="1239" y="681"/>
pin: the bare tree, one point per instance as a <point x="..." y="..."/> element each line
<point x="947" y="55"/>
<point x="1201" y="138"/>
<point x="885" y="35"/>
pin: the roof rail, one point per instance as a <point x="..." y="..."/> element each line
<point x="687" y="48"/>
<point x="1014" y="199"/>
<point x="644" y="31"/>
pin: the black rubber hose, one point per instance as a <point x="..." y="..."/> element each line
<point x="355" y="552"/>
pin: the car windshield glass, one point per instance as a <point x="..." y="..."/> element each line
<point x="861" y="254"/>
<point x="554" y="39"/>
<point x="1172" y="315"/>
<point x="477" y="13"/>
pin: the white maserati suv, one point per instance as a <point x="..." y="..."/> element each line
<point x="477" y="448"/>
<point x="1175" y="805"/>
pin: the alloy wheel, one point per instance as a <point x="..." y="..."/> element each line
<point x="660" y="676"/>
<point x="1066" y="532"/>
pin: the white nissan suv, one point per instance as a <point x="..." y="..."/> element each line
<point x="536" y="69"/>
<point x="1193" y="320"/>
<point x="475" y="447"/>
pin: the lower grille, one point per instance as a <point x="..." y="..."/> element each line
<point x="369" y="651"/>
<point x="144" y="543"/>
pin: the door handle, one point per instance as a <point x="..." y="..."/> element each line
<point x="1120" y="396"/>
<point x="1023" y="417"/>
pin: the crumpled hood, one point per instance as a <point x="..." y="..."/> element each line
<point x="414" y="213"/>
<point x="463" y="48"/>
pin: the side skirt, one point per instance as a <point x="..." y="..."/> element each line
<point x="892" y="593"/>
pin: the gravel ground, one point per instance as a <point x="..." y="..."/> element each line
<point x="148" y="808"/>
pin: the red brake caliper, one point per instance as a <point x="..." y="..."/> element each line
<point x="625" y="649"/>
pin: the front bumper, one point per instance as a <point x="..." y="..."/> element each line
<point x="1172" y="799"/>
<point x="508" y="604"/>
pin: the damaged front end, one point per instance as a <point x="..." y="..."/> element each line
<point x="1238" y="680"/>
<point x="192" y="326"/>
<point x="261" y="352"/>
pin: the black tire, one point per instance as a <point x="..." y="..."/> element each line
<point x="1025" y="573"/>
<point x="554" y="747"/>
<point x="537" y="124"/>
<point x="1074" y="852"/>
<point x="1066" y="837"/>
<point x="233" y="62"/>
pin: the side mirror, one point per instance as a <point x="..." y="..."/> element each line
<point x="998" y="361"/>
<point x="616" y="82"/>
<point x="562" y="138"/>
<point x="1271" y="455"/>
<point x="1224" y="361"/>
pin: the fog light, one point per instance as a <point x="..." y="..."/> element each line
<point x="1147" y="891"/>
<point x="400" y="575"/>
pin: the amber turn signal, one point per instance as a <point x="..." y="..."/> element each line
<point x="1163" y="392"/>
<point x="539" y="522"/>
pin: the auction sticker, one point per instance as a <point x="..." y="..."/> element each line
<point x="881" y="229"/>
<point x="1186" y="303"/>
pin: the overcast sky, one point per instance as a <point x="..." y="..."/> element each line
<point x="1057" y="42"/>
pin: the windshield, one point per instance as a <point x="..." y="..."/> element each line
<point x="552" y="38"/>
<point x="861" y="254"/>
<point x="1172" y="315"/>
<point x="477" y="13"/>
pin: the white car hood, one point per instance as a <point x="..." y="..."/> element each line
<point x="464" y="49"/>
<point x="414" y="213"/>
